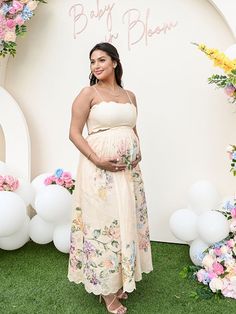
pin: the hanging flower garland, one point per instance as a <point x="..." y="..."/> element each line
<point x="13" y="15"/>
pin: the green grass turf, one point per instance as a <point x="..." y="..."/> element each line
<point x="33" y="280"/>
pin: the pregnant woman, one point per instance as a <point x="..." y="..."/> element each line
<point x="110" y="245"/>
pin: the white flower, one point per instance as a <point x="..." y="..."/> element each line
<point x="10" y="36"/>
<point x="232" y="226"/>
<point x="233" y="282"/>
<point x="207" y="261"/>
<point x="216" y="284"/>
<point x="230" y="149"/>
<point x="224" y="249"/>
<point x="32" y="5"/>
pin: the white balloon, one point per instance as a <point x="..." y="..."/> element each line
<point x="230" y="52"/>
<point x="183" y="224"/>
<point x="41" y="231"/>
<point x="61" y="237"/>
<point x="54" y="204"/>
<point x="203" y="196"/>
<point x="12" y="213"/>
<point x="3" y="168"/>
<point x="38" y="185"/>
<point x="212" y="226"/>
<point x="196" y="249"/>
<point x="18" y="239"/>
<point x="25" y="191"/>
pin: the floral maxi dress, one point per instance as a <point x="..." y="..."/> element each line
<point x="110" y="245"/>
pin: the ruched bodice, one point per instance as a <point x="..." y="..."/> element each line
<point x="107" y="115"/>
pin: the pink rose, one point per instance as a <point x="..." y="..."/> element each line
<point x="11" y="23"/>
<point x="48" y="180"/>
<point x="66" y="176"/>
<point x="15" y="185"/>
<point x="18" y="20"/>
<point x="218" y="268"/>
<point x="16" y="6"/>
<point x="59" y="181"/>
<point x="212" y="275"/>
<point x="233" y="212"/>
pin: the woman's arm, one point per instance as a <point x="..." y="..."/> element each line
<point x="79" y="114"/>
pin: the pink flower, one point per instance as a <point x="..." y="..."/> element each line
<point x="229" y="90"/>
<point x="1" y="180"/>
<point x="16" y="6"/>
<point x="212" y="275"/>
<point x="230" y="243"/>
<point x="59" y="181"/>
<point x="48" y="180"/>
<point x="18" y="20"/>
<point x="217" y="251"/>
<point x="11" y="23"/>
<point x="218" y="268"/>
<point x="66" y="176"/>
<point x="233" y="212"/>
<point x="201" y="274"/>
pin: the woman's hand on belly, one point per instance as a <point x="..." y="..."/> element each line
<point x="112" y="165"/>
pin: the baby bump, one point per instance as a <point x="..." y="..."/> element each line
<point x="116" y="143"/>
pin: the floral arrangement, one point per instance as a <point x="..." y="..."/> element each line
<point x="8" y="183"/>
<point x="62" y="178"/>
<point x="231" y="150"/>
<point x="227" y="81"/>
<point x="218" y="271"/>
<point x="13" y="15"/>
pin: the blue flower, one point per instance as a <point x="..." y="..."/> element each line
<point x="228" y="206"/>
<point x="26" y="14"/>
<point x="5" y="8"/>
<point x="234" y="155"/>
<point x="58" y="172"/>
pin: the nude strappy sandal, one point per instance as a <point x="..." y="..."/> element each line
<point x="120" y="310"/>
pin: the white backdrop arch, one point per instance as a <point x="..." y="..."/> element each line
<point x="184" y="124"/>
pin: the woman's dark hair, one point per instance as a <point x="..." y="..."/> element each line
<point x="113" y="53"/>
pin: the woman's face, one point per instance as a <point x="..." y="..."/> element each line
<point x="101" y="65"/>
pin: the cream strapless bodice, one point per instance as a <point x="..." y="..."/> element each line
<point x="110" y="114"/>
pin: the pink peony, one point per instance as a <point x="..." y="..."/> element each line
<point x="218" y="268"/>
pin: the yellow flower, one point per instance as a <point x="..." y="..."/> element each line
<point x="219" y="58"/>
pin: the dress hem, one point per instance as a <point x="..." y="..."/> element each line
<point x="129" y="291"/>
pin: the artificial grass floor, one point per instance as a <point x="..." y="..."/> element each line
<point x="33" y="280"/>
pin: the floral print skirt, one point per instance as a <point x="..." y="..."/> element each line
<point x="110" y="245"/>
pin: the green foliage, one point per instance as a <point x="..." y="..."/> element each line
<point x="8" y="48"/>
